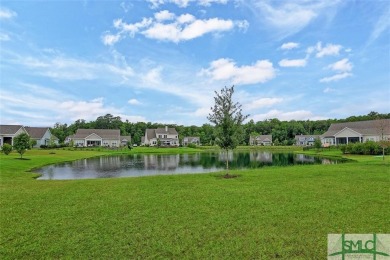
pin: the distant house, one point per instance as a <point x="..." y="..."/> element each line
<point x="306" y="140"/>
<point x="96" y="137"/>
<point x="42" y="135"/>
<point x="125" y="140"/>
<point x="167" y="137"/>
<point x="8" y="132"/>
<point x="357" y="132"/>
<point x="191" y="140"/>
<point x="260" y="140"/>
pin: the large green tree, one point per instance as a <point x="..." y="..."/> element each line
<point x="22" y="143"/>
<point x="228" y="118"/>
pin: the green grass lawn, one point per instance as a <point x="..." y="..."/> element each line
<point x="272" y="212"/>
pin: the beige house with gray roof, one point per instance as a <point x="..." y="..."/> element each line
<point x="167" y="137"/>
<point x="357" y="132"/>
<point x="8" y="132"/>
<point x="42" y="135"/>
<point x="260" y="140"/>
<point x="97" y="137"/>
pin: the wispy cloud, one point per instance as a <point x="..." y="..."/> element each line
<point x="288" y="18"/>
<point x="322" y="51"/>
<point x="262" y="102"/>
<point x="289" y="45"/>
<point x="184" y="3"/>
<point x="341" y="65"/>
<point x="7" y="13"/>
<point x="134" y="101"/>
<point x="286" y="116"/>
<point x="166" y="26"/>
<point x="293" y="63"/>
<point x="382" y="24"/>
<point x="336" y="77"/>
<point x="226" y="69"/>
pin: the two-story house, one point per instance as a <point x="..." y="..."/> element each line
<point x="165" y="136"/>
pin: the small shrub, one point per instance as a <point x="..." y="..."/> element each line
<point x="43" y="146"/>
<point x="191" y="145"/>
<point x="7" y="148"/>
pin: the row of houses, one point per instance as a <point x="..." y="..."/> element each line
<point x="339" y="133"/>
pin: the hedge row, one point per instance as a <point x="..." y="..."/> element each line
<point x="367" y="148"/>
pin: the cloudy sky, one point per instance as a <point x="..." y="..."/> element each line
<point x="162" y="60"/>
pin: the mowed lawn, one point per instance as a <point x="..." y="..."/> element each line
<point x="271" y="212"/>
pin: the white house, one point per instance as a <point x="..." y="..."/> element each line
<point x="42" y="135"/>
<point x="191" y="140"/>
<point x="353" y="132"/>
<point x="167" y="137"/>
<point x="8" y="132"/>
<point x="306" y="140"/>
<point x="260" y="140"/>
<point x="95" y="137"/>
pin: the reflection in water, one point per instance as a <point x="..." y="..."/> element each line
<point x="144" y="165"/>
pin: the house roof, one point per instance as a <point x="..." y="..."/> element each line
<point x="304" y="137"/>
<point x="371" y="127"/>
<point x="150" y="133"/>
<point x="9" y="129"/>
<point x="103" y="133"/>
<point x="36" y="132"/>
<point x="126" y="138"/>
<point x="191" y="138"/>
<point x="171" y="131"/>
<point x="261" y="138"/>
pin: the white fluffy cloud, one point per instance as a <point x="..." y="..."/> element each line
<point x="293" y="63"/>
<point x="134" y="101"/>
<point x="289" y="45"/>
<point x="341" y="65"/>
<point x="328" y="50"/>
<point x="166" y="26"/>
<point x="226" y="69"/>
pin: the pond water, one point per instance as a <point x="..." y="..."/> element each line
<point x="152" y="164"/>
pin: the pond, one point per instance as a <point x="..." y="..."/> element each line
<point x="152" y="164"/>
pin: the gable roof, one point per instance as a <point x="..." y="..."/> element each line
<point x="371" y="127"/>
<point x="126" y="138"/>
<point x="171" y="131"/>
<point x="9" y="129"/>
<point x="305" y="137"/>
<point x="150" y="133"/>
<point x="261" y="138"/>
<point x="103" y="133"/>
<point x="36" y="132"/>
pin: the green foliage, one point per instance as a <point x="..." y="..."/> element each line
<point x="191" y="145"/>
<point x="317" y="143"/>
<point x="228" y="118"/>
<point x="33" y="143"/>
<point x="367" y="148"/>
<point x="6" y="149"/>
<point x="22" y="143"/>
<point x="129" y="145"/>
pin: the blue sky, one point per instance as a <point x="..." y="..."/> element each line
<point x="162" y="60"/>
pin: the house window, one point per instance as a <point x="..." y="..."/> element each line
<point x="165" y="136"/>
<point x="159" y="136"/>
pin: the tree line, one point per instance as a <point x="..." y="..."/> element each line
<point x="283" y="132"/>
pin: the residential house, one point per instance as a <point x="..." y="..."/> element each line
<point x="125" y="139"/>
<point x="306" y="140"/>
<point x="8" y="132"/>
<point x="96" y="137"/>
<point x="42" y="135"/>
<point x="361" y="131"/>
<point x="260" y="140"/>
<point x="166" y="136"/>
<point x="191" y="140"/>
